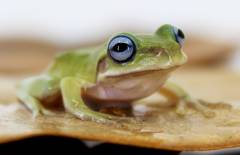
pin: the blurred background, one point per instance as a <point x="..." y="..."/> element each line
<point x="39" y="28"/>
<point x="32" y="32"/>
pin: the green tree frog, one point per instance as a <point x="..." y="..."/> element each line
<point x="126" y="68"/>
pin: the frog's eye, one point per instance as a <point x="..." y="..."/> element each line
<point x="179" y="35"/>
<point x="121" y="49"/>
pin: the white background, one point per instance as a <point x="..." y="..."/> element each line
<point x="68" y="22"/>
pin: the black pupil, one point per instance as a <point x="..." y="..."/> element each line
<point x="180" y="34"/>
<point x="120" y="47"/>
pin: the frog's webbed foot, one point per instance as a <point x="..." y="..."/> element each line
<point x="103" y="118"/>
<point x="183" y="105"/>
<point x="90" y="115"/>
<point x="183" y="101"/>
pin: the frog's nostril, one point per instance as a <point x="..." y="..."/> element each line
<point x="156" y="51"/>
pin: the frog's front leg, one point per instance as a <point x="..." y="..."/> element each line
<point x="31" y="90"/>
<point x="175" y="94"/>
<point x="71" y="91"/>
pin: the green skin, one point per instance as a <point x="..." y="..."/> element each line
<point x="76" y="74"/>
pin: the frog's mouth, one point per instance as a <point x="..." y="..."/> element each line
<point x="142" y="72"/>
<point x="103" y="73"/>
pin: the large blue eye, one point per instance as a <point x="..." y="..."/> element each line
<point x="179" y="35"/>
<point x="121" y="49"/>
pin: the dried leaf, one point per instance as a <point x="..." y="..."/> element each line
<point x="160" y="127"/>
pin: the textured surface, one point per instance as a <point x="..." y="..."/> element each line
<point x="161" y="127"/>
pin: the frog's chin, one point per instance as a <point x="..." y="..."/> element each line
<point x="130" y="86"/>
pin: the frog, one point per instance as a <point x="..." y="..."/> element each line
<point x="126" y="68"/>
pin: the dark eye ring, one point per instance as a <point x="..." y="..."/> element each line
<point x="121" y="49"/>
<point x="179" y="36"/>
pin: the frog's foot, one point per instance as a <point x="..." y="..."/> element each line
<point x="90" y="115"/>
<point x="103" y="118"/>
<point x="184" y="104"/>
<point x="181" y="108"/>
<point x="34" y="105"/>
<point x="40" y="110"/>
<point x="176" y="94"/>
<point x="198" y="106"/>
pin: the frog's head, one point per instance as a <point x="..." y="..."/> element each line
<point x="130" y="53"/>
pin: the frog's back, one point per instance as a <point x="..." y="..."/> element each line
<point x="79" y="63"/>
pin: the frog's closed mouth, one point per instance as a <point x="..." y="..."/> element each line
<point x="134" y="67"/>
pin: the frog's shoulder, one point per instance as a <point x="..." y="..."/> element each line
<point x="81" y="62"/>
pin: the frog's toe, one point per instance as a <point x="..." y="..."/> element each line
<point x="40" y="110"/>
<point x="203" y="109"/>
<point x="36" y="113"/>
<point x="47" y="112"/>
<point x="102" y="118"/>
<point x="181" y="108"/>
<point x="208" y="113"/>
<point x="89" y="115"/>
